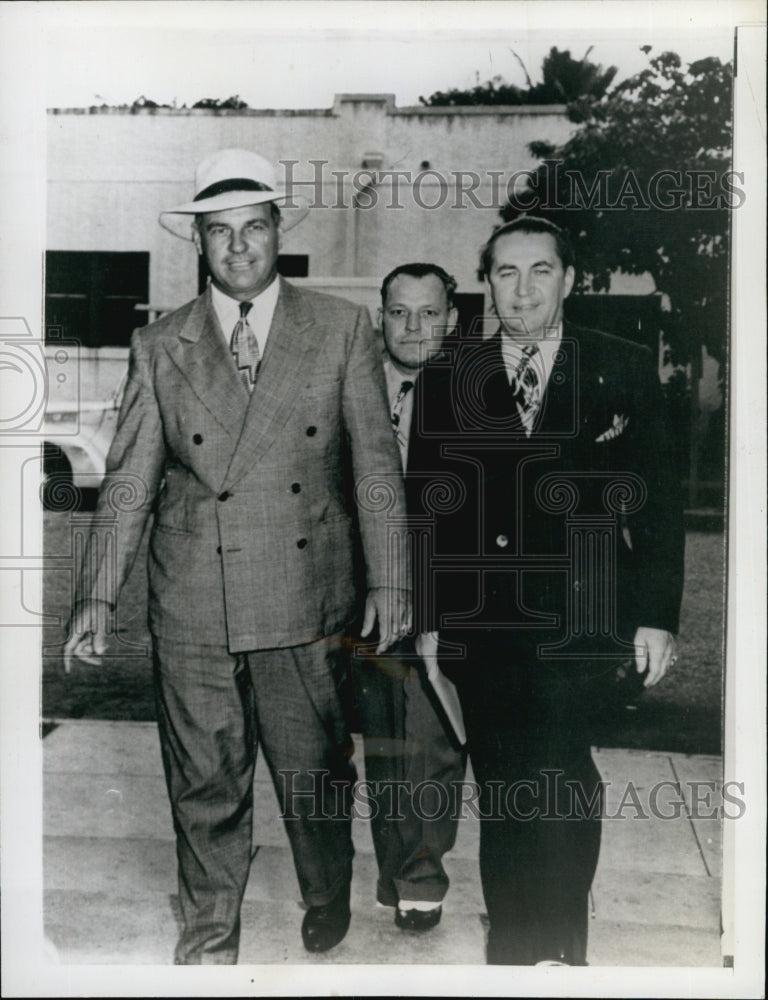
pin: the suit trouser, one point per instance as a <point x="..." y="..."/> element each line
<point x="407" y="747"/>
<point x="214" y="709"/>
<point x="540" y="800"/>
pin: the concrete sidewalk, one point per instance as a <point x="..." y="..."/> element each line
<point x="110" y="866"/>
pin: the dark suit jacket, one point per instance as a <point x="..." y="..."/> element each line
<point x="561" y="540"/>
<point x="251" y="542"/>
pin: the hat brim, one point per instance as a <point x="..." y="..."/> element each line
<point x="179" y="220"/>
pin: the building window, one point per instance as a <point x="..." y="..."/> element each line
<point x="293" y="265"/>
<point x="91" y="296"/>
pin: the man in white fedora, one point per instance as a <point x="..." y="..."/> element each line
<point x="249" y="415"/>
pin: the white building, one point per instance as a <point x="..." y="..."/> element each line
<point x="387" y="185"/>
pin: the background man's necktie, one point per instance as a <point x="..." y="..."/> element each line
<point x="397" y="409"/>
<point x="526" y="386"/>
<point x="245" y="348"/>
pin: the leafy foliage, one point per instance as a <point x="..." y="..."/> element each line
<point x="564" y="79"/>
<point x="146" y="103"/>
<point x="231" y="103"/>
<point x="643" y="185"/>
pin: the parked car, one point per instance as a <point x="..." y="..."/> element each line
<point x="76" y="439"/>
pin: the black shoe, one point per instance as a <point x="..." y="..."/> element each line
<point x="324" y="926"/>
<point x="418" y="920"/>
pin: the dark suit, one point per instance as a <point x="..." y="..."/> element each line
<point x="251" y="579"/>
<point x="545" y="553"/>
<point x="409" y="751"/>
<point x="407" y="741"/>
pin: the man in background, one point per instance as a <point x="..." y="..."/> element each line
<point x="408" y="739"/>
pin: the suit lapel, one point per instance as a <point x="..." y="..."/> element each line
<point x="286" y="368"/>
<point x="559" y="412"/>
<point x="202" y="356"/>
<point x="496" y="390"/>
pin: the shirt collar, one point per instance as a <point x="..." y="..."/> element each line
<point x="512" y="350"/>
<point x="259" y="317"/>
<point x="395" y="378"/>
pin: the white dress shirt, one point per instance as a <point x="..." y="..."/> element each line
<point x="427" y="642"/>
<point x="259" y="317"/>
<point x="395" y="381"/>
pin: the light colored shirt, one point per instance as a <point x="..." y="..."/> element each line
<point x="259" y="317"/>
<point x="543" y="362"/>
<point x="395" y="381"/>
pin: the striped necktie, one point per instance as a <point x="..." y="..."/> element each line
<point x="245" y="348"/>
<point x="397" y="408"/>
<point x="526" y="386"/>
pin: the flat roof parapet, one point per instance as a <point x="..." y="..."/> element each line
<point x="337" y="110"/>
<point x="127" y="109"/>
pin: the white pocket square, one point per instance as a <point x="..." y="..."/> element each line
<point x="619" y="423"/>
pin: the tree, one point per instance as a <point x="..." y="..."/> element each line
<point x="231" y="103"/>
<point x="564" y="79"/>
<point x="644" y="186"/>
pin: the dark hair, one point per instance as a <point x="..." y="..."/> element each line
<point x="530" y="224"/>
<point x="421" y="271"/>
<point x="273" y="208"/>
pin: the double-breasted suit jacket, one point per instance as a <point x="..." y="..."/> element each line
<point x="251" y="545"/>
<point x="540" y="556"/>
<point x="571" y="537"/>
<point x="251" y="552"/>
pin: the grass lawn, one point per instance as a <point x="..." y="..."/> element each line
<point x="681" y="714"/>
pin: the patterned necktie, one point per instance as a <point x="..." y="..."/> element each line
<point x="526" y="386"/>
<point x="397" y="409"/>
<point x="245" y="348"/>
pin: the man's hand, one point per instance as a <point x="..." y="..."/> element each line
<point x="655" y="650"/>
<point x="88" y="629"/>
<point x="392" y="609"/>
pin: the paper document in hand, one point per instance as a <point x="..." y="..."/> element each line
<point x="449" y="699"/>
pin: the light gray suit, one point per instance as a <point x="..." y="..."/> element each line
<point x="251" y="552"/>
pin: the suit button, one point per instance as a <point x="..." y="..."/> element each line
<point x="311" y="431"/>
<point x="577" y="585"/>
<point x="197" y="438"/>
<point x="295" y="487"/>
<point x="218" y="550"/>
<point x="502" y="541"/>
<point x="301" y="544"/>
<point x="224" y="496"/>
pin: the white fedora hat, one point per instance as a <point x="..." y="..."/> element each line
<point x="232" y="178"/>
